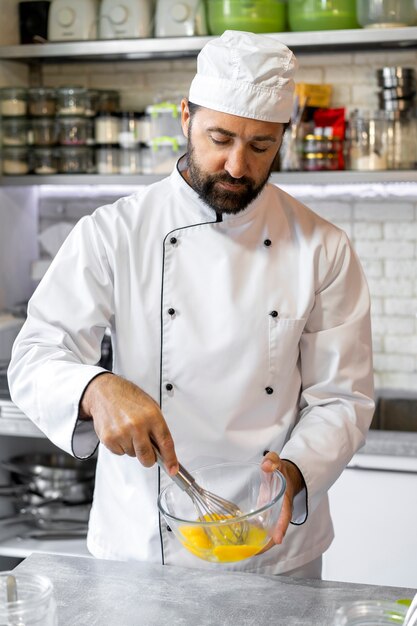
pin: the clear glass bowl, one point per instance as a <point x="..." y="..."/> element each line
<point x="258" y="494"/>
<point x="370" y="613"/>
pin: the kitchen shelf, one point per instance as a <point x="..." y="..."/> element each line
<point x="278" y="178"/>
<point x="16" y="545"/>
<point x="175" y="47"/>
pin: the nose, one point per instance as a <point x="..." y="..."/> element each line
<point x="236" y="163"/>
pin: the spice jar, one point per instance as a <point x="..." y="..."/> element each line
<point x="15" y="160"/>
<point x="91" y="102"/>
<point x="15" y="131"/>
<point x="107" y="128"/>
<point x="45" y="160"/>
<point x="72" y="131"/>
<point x="42" y="101"/>
<point x="44" y="131"/>
<point x="13" y="101"/>
<point x="107" y="159"/>
<point x="74" y="160"/>
<point x="71" y="101"/>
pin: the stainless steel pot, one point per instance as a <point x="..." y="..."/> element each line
<point x="73" y="493"/>
<point x="57" y="467"/>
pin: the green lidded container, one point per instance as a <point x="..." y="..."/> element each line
<point x="256" y="16"/>
<point x="304" y="15"/>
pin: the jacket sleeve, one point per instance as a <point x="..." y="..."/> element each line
<point x="336" y="402"/>
<point x="55" y="354"/>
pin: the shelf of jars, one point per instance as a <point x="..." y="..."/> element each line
<point x="296" y="178"/>
<point x="173" y="47"/>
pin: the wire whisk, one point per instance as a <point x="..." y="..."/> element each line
<point x="211" y="507"/>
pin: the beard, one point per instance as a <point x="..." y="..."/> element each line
<point x="209" y="187"/>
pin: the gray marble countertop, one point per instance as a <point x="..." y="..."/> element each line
<point x="93" y="592"/>
<point x="390" y="443"/>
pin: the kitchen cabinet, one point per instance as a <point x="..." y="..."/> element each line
<point x="374" y="511"/>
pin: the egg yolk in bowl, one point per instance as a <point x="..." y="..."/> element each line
<point x="218" y="543"/>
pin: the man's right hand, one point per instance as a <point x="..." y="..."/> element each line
<point x="127" y="420"/>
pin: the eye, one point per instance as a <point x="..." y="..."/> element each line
<point x="219" y="142"/>
<point x="258" y="150"/>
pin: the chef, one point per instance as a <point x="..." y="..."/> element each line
<point x="239" y="321"/>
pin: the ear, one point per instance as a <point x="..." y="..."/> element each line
<point x="185" y="116"/>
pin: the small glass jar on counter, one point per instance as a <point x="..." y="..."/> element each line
<point x="13" y="101"/>
<point x="72" y="131"/>
<point x="71" y="101"/>
<point x="44" y="131"/>
<point x="130" y="160"/>
<point x="15" y="160"/>
<point x="129" y="129"/>
<point x="107" y="128"/>
<point x="370" y="613"/>
<point x="41" y="101"/>
<point x="108" y="159"/>
<point x="15" y="131"/>
<point x="74" y="160"/>
<point x="45" y="160"/>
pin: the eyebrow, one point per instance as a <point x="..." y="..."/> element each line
<point x="228" y="133"/>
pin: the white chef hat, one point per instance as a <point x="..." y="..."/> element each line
<point x="247" y="75"/>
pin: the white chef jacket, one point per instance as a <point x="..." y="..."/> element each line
<point x="233" y="378"/>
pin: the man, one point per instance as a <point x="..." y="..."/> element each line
<point x="239" y="320"/>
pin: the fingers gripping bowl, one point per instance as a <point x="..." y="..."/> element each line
<point x="259" y="496"/>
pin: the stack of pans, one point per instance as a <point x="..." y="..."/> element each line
<point x="397" y="88"/>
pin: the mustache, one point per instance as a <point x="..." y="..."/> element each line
<point x="226" y="178"/>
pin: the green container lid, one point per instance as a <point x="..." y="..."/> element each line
<point x="256" y="16"/>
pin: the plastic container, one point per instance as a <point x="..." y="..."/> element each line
<point x="72" y="131"/>
<point x="129" y="129"/>
<point x="15" y="131"/>
<point x="34" y="603"/>
<point x="160" y="155"/>
<point x="370" y="613"/>
<point x="13" y="101"/>
<point x="15" y="160"/>
<point x="74" y="160"/>
<point x="386" y="13"/>
<point x="44" y="131"/>
<point x="41" y="101"/>
<point x="256" y="16"/>
<point x="45" y="161"/>
<point x="304" y="15"/>
<point x="165" y="119"/>
<point x="71" y="101"/>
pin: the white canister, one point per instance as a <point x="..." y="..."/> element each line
<point x="107" y="128"/>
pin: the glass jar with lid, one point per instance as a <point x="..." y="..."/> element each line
<point x="386" y="13"/>
<point x="129" y="128"/>
<point x="15" y="160"/>
<point x="370" y="613"/>
<point x="44" y="131"/>
<point x="13" y="101"/>
<point x="15" y="131"/>
<point x="72" y="131"/>
<point x="108" y="101"/>
<point x="130" y="160"/>
<point x="107" y="128"/>
<point x="304" y="15"/>
<point x="45" y="160"/>
<point x="91" y="102"/>
<point x="42" y="101"/>
<point x="368" y="141"/>
<point x="74" y="159"/>
<point x="71" y="100"/>
<point x="108" y="159"/>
